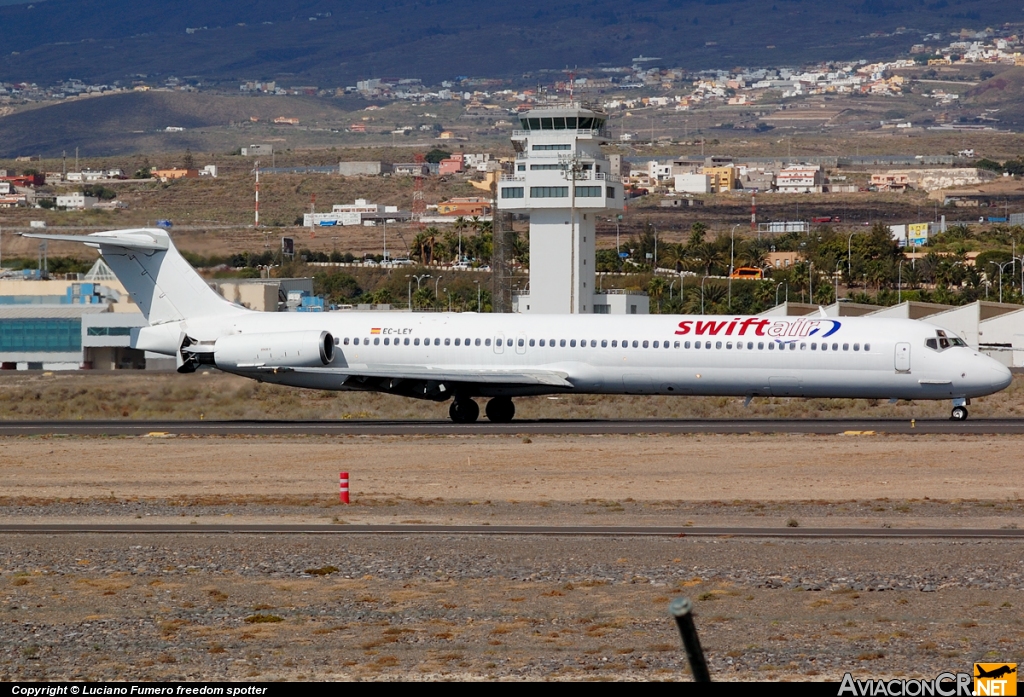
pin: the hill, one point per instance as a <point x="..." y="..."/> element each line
<point x="335" y="42"/>
<point x="136" y="122"/>
<point x="1001" y="96"/>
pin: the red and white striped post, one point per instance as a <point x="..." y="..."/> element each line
<point x="343" y="487"/>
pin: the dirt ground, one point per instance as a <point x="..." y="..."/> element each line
<point x="450" y="471"/>
<point x="463" y="607"/>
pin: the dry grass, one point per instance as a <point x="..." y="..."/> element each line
<point x="218" y="396"/>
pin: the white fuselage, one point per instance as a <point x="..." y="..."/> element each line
<point x="653" y="354"/>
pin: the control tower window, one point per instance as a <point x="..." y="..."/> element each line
<point x="586" y="122"/>
<point x="546" y="123"/>
<point x="570" y="122"/>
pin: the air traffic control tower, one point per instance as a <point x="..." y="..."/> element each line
<point x="563" y="181"/>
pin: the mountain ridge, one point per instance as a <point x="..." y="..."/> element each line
<point x="336" y="42"/>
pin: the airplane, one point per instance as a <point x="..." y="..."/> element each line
<point x="462" y="356"/>
<point x="995" y="672"/>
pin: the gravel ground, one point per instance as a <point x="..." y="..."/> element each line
<point x="389" y="607"/>
<point x="385" y="607"/>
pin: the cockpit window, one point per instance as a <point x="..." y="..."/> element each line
<point x="943" y="341"/>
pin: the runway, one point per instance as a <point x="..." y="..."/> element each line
<point x="554" y="427"/>
<point x="516" y="530"/>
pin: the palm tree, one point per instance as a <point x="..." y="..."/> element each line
<point x="656" y="289"/>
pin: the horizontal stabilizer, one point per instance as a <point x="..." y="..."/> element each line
<point x="142" y="239"/>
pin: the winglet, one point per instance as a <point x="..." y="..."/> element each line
<point x="822" y="312"/>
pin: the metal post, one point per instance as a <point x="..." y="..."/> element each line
<point x="732" y="260"/>
<point x="682" y="610"/>
<point x="849" y="256"/>
<point x="899" y="293"/>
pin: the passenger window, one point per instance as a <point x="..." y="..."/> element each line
<point x="856" y="347"/>
<point x="346" y="341"/>
<point x="467" y="342"/>
<point x="593" y="343"/>
<point x="676" y="345"/>
<point x="803" y="347"/>
<point x="750" y="345"/>
<point x="487" y="342"/>
<point x="561" y="343"/>
<point x="846" y="347"/>
<point x="387" y="341"/>
<point x="615" y="343"/>
<point x="448" y="342"/>
<point x="771" y="347"/>
<point x="476" y="342"/>
<point x="437" y="342"/>
<point x="604" y="343"/>
<point x="406" y="342"/>
<point x="522" y="343"/>
<point x="824" y="347"/>
<point x="542" y="343"/>
<point x="572" y="343"/>
<point x="718" y="344"/>
<point x="707" y="344"/>
<point x="867" y="347"/>
<point x="686" y="344"/>
<point x="728" y="345"/>
<point x="696" y="344"/>
<point x="792" y="347"/>
<point x="835" y="347"/>
<point x="646" y="344"/>
<point x="760" y="346"/>
<point x="814" y="346"/>
<point x="531" y="342"/>
<point x="665" y="344"/>
<point x="636" y="343"/>
<point x="458" y="342"/>
<point x="655" y="344"/>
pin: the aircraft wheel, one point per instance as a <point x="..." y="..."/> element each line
<point x="958" y="414"/>
<point x="464" y="411"/>
<point x="500" y="410"/>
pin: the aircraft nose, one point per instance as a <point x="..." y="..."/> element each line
<point x="1000" y="376"/>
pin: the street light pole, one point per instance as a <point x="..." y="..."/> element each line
<point x="732" y="260"/>
<point x="849" y="256"/>
<point x="899" y="292"/>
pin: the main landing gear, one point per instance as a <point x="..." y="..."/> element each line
<point x="959" y="412"/>
<point x="499" y="410"/>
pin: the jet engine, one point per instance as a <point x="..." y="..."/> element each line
<point x="307" y="349"/>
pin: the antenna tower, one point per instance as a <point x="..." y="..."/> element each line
<point x="419" y="207"/>
<point x="256" y="168"/>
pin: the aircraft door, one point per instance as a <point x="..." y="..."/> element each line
<point x="902" y="357"/>
<point x="521" y="343"/>
<point x="499" y="343"/>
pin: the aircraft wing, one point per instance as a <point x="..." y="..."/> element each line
<point x="406" y="372"/>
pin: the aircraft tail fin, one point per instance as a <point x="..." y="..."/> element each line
<point x="164" y="286"/>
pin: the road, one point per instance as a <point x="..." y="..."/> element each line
<point x="556" y="427"/>
<point x="518" y="530"/>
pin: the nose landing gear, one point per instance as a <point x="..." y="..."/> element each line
<point x="959" y="412"/>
